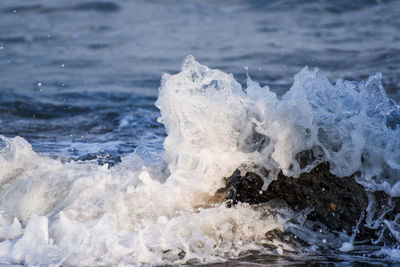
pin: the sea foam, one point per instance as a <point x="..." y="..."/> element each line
<point x="215" y="125"/>
<point x="158" y="211"/>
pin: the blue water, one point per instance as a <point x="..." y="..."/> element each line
<point x="88" y="71"/>
<point x="78" y="79"/>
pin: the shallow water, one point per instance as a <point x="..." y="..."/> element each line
<point x="79" y="80"/>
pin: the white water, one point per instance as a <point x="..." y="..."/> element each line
<point x="148" y="210"/>
<point x="211" y="124"/>
<point x="80" y="213"/>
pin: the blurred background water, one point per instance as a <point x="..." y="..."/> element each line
<point x="79" y="78"/>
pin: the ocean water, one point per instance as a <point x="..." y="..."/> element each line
<point x="106" y="160"/>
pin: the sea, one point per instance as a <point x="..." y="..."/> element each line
<point x="120" y="119"/>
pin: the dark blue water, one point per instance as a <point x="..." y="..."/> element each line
<point x="79" y="77"/>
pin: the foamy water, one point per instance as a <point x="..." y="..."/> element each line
<point x="161" y="208"/>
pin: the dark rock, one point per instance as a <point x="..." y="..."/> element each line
<point x="336" y="203"/>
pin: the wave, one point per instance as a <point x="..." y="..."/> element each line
<point x="162" y="209"/>
<point x="213" y="123"/>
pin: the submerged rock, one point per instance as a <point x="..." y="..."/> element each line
<point x="336" y="203"/>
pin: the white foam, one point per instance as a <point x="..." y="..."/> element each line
<point x="146" y="211"/>
<point x="92" y="215"/>
<point x="215" y="125"/>
<point x="11" y="231"/>
<point x="346" y="247"/>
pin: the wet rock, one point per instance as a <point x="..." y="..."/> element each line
<point x="335" y="202"/>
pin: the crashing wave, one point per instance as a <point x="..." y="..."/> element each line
<point x="214" y="124"/>
<point x="148" y="210"/>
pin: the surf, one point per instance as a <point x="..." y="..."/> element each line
<point x="161" y="208"/>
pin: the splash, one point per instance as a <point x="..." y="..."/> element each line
<point x="213" y="124"/>
<point x="80" y="213"/>
<point x="158" y="211"/>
